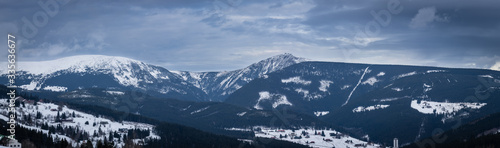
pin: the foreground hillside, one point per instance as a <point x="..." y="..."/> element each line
<point x="76" y="125"/>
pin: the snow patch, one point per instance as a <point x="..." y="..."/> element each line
<point x="431" y="107"/>
<point x="391" y="99"/>
<point x="296" y="80"/>
<point x="369" y="108"/>
<point x="324" y="85"/>
<point x="55" y="88"/>
<point x="433" y="71"/>
<point x="406" y="75"/>
<point x="321" y="113"/>
<point x="370" y="81"/>
<point x="345" y="87"/>
<point x="276" y="99"/>
<point x="308" y="96"/>
<point x="238" y="129"/>
<point x="200" y="110"/>
<point x="241" y="114"/>
<point x="302" y="91"/>
<point x="380" y="74"/>
<point x="397" y="89"/>
<point x="115" y="92"/>
<point x="31" y="86"/>
<point x="427" y="88"/>
<point x="195" y="75"/>
<point x="486" y="76"/>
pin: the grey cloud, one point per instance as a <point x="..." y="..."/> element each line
<point x="196" y="35"/>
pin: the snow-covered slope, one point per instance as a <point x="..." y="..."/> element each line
<point x="96" y="128"/>
<point x="81" y="63"/>
<point x="87" y="71"/>
<point x="219" y="85"/>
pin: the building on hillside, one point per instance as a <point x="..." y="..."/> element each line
<point x="13" y="143"/>
<point x="396" y="144"/>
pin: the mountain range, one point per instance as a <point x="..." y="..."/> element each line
<point x="118" y="73"/>
<point x="382" y="101"/>
<point x="366" y="100"/>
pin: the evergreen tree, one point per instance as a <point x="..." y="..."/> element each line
<point x="64" y="117"/>
<point x="29" y="118"/>
<point x="110" y="138"/>
<point x="38" y="115"/>
<point x="88" y="144"/>
<point x="99" y="144"/>
<point x="58" y="117"/>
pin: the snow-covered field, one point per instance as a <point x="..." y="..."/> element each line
<point x="310" y="137"/>
<point x="431" y="107"/>
<point x="82" y="121"/>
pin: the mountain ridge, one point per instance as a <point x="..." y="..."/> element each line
<point x="385" y="90"/>
<point x="125" y="74"/>
<point x="219" y="85"/>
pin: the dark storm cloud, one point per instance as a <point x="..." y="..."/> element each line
<point x="457" y="29"/>
<point x="228" y="34"/>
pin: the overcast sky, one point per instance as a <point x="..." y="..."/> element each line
<point x="214" y="35"/>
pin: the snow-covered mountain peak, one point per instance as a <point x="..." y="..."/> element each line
<point x="86" y="71"/>
<point x="78" y="63"/>
<point x="281" y="59"/>
<point x="218" y="85"/>
<point x="276" y="63"/>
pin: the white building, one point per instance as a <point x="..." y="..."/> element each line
<point x="396" y="145"/>
<point x="13" y="143"/>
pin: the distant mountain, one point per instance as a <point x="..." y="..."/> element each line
<point x="122" y="74"/>
<point x="382" y="101"/>
<point x="97" y="71"/>
<point x="219" y="85"/>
